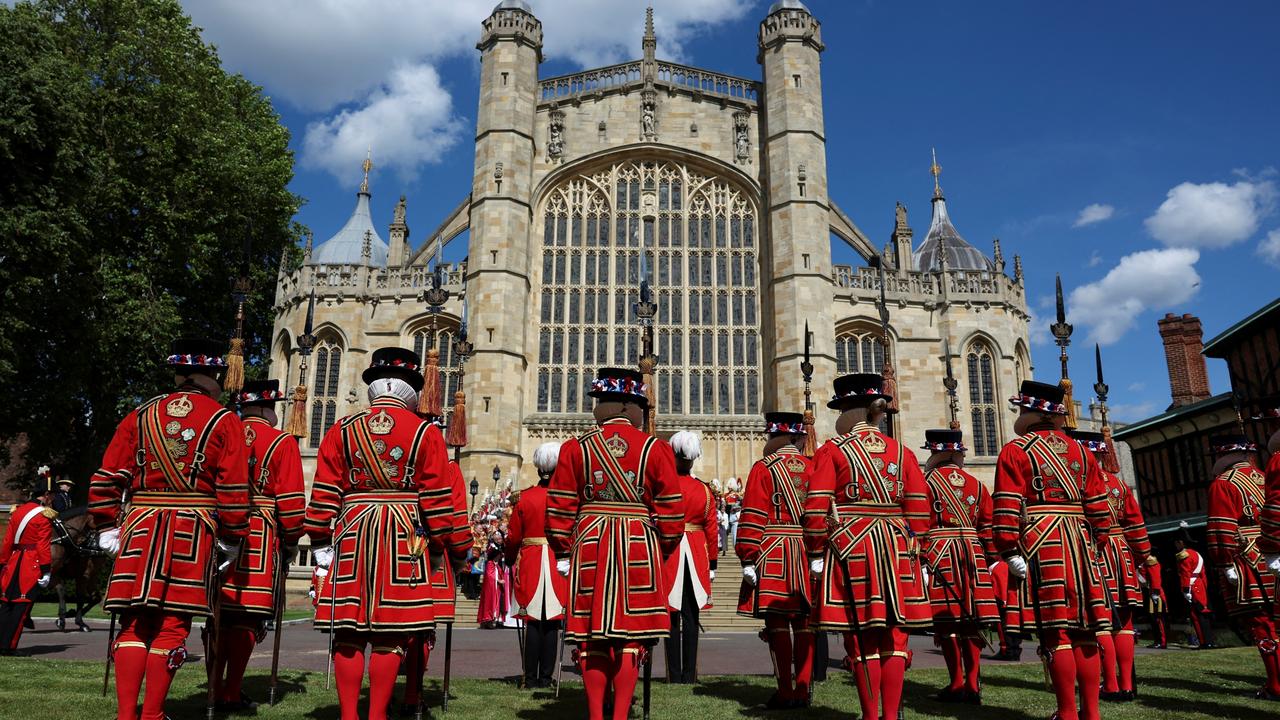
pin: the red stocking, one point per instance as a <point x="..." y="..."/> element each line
<point x="384" y="666"/>
<point x="236" y="646"/>
<point x="866" y="675"/>
<point x="130" y="658"/>
<point x="1263" y="633"/>
<point x="893" y="664"/>
<point x="597" y="663"/>
<point x="779" y="631"/>
<point x="972" y="662"/>
<point x="1085" y="651"/>
<point x="949" y="642"/>
<point x="348" y="673"/>
<point x="804" y="643"/>
<point x="626" y="673"/>
<point x="1062" y="671"/>
<point x="1107" y="661"/>
<point x="163" y="660"/>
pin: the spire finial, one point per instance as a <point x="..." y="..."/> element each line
<point x="367" y="165"/>
<point x="650" y="40"/>
<point x="936" y="170"/>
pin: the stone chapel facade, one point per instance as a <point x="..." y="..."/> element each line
<point x="710" y="188"/>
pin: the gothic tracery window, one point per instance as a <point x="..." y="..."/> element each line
<point x="424" y="340"/>
<point x="324" y="403"/>
<point x="859" y="350"/>
<point x="693" y="238"/>
<point x="980" y="363"/>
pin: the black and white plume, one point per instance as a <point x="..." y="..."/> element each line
<point x="687" y="445"/>
<point x="546" y="457"/>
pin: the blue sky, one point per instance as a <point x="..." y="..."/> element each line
<point x="1129" y="146"/>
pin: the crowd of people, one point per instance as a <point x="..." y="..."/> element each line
<point x="616" y="546"/>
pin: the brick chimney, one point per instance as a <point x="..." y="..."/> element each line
<point x="1183" y="344"/>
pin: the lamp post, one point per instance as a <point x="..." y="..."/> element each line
<point x="475" y="490"/>
<point x="497" y="475"/>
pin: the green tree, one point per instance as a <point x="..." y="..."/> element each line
<point x="137" y="179"/>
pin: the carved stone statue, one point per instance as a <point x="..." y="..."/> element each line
<point x="648" y="118"/>
<point x="555" y="131"/>
<point x="741" y="138"/>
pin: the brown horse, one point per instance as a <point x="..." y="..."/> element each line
<point x="76" y="559"/>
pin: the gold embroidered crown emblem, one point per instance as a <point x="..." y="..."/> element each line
<point x="1056" y="444"/>
<point x="249" y="436"/>
<point x="956" y="479"/>
<point x="873" y="443"/>
<point x="795" y="465"/>
<point x="617" y="446"/>
<point x="381" y="423"/>
<point x="179" y="407"/>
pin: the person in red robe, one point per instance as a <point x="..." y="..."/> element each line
<point x="613" y="514"/>
<point x="775" y="580"/>
<point x="381" y="506"/>
<point x="255" y="582"/>
<point x="180" y="466"/>
<point x="1269" y="519"/>
<point x="1236" y="498"/>
<point x="866" y="506"/>
<point x="691" y="568"/>
<point x="540" y="591"/>
<point x="1049" y="501"/>
<point x="956" y="549"/>
<point x="25" y="561"/>
<point x="1194" y="581"/>
<point x="1122" y="554"/>
<point x="492" y="610"/>
<point x="1156" y="606"/>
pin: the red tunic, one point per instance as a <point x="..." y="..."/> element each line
<point x="1125" y="547"/>
<point x="443" y="583"/>
<point x="771" y="536"/>
<point x="1049" y="499"/>
<point x="279" y="500"/>
<point x="540" y="591"/>
<point x="614" y="498"/>
<point x="1269" y="542"/>
<point x="1235" y="502"/>
<point x="182" y="459"/>
<point x="956" y="548"/>
<point x="374" y="512"/>
<point x="25" y="558"/>
<point x="1192" y="578"/>
<point x="699" y="543"/>
<point x="866" y="503"/>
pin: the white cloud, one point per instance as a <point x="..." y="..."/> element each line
<point x="1137" y="386"/>
<point x="1130" y="412"/>
<point x="1095" y="213"/>
<point x="1269" y="248"/>
<point x="408" y="122"/>
<point x="1038" y="329"/>
<point x="1212" y="215"/>
<point x="1150" y="279"/>
<point x="1095" y="259"/>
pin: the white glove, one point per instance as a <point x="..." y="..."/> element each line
<point x="44" y="580"/>
<point x="562" y="567"/>
<point x="924" y="574"/>
<point x="749" y="574"/>
<point x="229" y="553"/>
<point x="713" y="574"/>
<point x="1233" y="577"/>
<point x="817" y="566"/>
<point x="109" y="541"/>
<point x="1273" y="563"/>
<point x="1142" y="578"/>
<point x="1017" y="566"/>
<point x="1187" y="595"/>
<point x="322" y="557"/>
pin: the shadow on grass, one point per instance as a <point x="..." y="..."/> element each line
<point x="920" y="698"/>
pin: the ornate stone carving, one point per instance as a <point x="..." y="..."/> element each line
<point x="555" y="136"/>
<point x="649" y="116"/>
<point x="741" y="137"/>
<point x="398" y="217"/>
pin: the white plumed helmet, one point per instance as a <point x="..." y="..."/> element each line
<point x="546" y="457"/>
<point x="687" y="445"/>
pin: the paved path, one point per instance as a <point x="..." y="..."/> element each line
<point x="476" y="653"/>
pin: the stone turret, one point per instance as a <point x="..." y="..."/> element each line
<point x="399" y="234"/>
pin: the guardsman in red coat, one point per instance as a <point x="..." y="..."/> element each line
<point x="182" y="461"/>
<point x="540" y="591"/>
<point x="1236" y="497"/>
<point x="955" y="559"/>
<point x="1156" y="606"/>
<point x="1122" y="554"/>
<point x="1050" y="500"/>
<point x="255" y="583"/>
<point x="1010" y="641"/>
<point x="1269" y="541"/>
<point x="381" y="506"/>
<point x="1193" y="578"/>
<point x="775" y="576"/>
<point x="691" y="568"/>
<point x="613" y="514"/>
<point x="866" y="506"/>
<point x="25" y="561"/>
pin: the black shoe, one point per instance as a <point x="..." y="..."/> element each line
<point x="1158" y="646"/>
<point x="777" y="702"/>
<point x="243" y="705"/>
<point x="1265" y="694"/>
<point x="950" y="695"/>
<point x="408" y="710"/>
<point x="973" y="697"/>
<point x="1117" y="696"/>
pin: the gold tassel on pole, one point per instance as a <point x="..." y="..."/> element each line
<point x="235" y="366"/>
<point x="1111" y="458"/>
<point x="810" y="433"/>
<point x="297" y="423"/>
<point x="456" y="434"/>
<point x="430" y="401"/>
<point x="1072" y="420"/>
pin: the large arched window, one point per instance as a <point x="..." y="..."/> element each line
<point x="859" y="351"/>
<point x="693" y="238"/>
<point x="980" y="363"/>
<point x="442" y="340"/>
<point x="324" y="403"/>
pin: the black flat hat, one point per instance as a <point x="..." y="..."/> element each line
<point x="784" y="423"/>
<point x="258" y="392"/>
<point x="395" y="362"/>
<point x="1223" y="444"/>
<point x="1040" y="396"/>
<point x="857" y="387"/>
<point x="191" y="354"/>
<point x="943" y="440"/>
<point x="619" y="384"/>
<point x="1092" y="441"/>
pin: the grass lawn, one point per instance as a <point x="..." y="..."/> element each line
<point x="1176" y="685"/>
